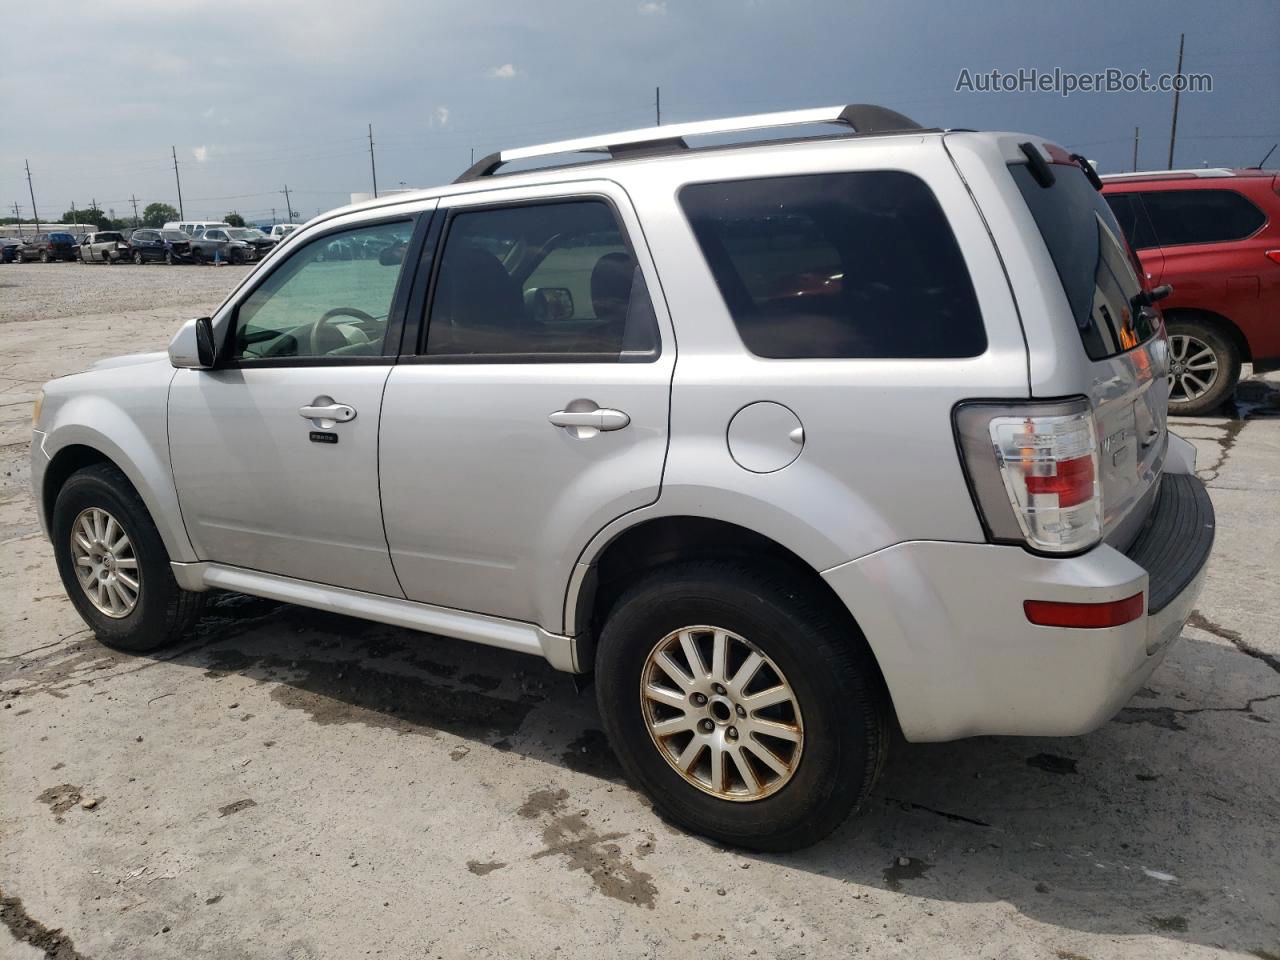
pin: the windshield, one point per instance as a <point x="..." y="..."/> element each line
<point x="173" y="235"/>
<point x="1092" y="260"/>
<point x="246" y="234"/>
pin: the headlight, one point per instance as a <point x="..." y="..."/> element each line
<point x="35" y="410"/>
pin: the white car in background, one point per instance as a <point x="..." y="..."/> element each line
<point x="281" y="230"/>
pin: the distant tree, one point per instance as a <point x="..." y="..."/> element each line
<point x="234" y="219"/>
<point x="88" y="215"/>
<point x="158" y="214"/>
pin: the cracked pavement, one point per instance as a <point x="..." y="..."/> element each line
<point x="296" y="784"/>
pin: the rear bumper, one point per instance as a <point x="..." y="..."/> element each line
<point x="960" y="658"/>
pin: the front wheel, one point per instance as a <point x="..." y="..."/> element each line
<point x="168" y="257"/>
<point x="745" y="706"/>
<point x="138" y="258"/>
<point x="114" y="565"/>
<point x="1204" y="367"/>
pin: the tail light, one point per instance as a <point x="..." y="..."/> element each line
<point x="1033" y="469"/>
<point x="1273" y="255"/>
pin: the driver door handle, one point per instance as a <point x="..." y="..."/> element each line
<point x="600" y="419"/>
<point x="337" y="412"/>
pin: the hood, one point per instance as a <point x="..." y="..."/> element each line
<point x="129" y="360"/>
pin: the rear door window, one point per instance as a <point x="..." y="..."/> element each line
<point x="1087" y="247"/>
<point x="1201" y="216"/>
<point x="844" y="265"/>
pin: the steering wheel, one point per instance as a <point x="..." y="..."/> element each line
<point x="315" y="338"/>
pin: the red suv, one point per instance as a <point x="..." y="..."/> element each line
<point x="1215" y="236"/>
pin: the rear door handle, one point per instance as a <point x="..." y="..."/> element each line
<point x="326" y="412"/>
<point x="585" y="424"/>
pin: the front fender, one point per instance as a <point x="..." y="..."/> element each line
<point x="133" y="436"/>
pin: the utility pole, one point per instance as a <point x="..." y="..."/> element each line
<point x="473" y="158"/>
<point x="373" y="166"/>
<point x="75" y="220"/>
<point x="182" y="214"/>
<point x="657" y="104"/>
<point x="273" y="216"/>
<point x="288" y="205"/>
<point x="17" y="213"/>
<point x="135" y="211"/>
<point x="1136" y="138"/>
<point x="1177" y="92"/>
<point x="32" y="190"/>
<point x="93" y="205"/>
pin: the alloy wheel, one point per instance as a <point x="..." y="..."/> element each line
<point x="1193" y="367"/>
<point x="721" y="713"/>
<point x="105" y="563"/>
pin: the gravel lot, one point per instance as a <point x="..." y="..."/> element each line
<point x="296" y="784"/>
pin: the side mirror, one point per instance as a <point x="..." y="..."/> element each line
<point x="192" y="347"/>
<point x="549" y="304"/>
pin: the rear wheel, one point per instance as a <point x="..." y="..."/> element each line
<point x="745" y="706"/>
<point x="114" y="566"/>
<point x="197" y="255"/>
<point x="44" y="256"/>
<point x="20" y="257"/>
<point x="1204" y="366"/>
<point x="138" y="258"/>
<point x="168" y="257"/>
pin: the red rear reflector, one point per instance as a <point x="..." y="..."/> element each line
<point x="1073" y="482"/>
<point x="1052" y="613"/>
<point x="1273" y="255"/>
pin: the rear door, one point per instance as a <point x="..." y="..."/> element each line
<point x="534" y="407"/>
<point x="1134" y="222"/>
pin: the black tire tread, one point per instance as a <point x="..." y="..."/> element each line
<point x="1218" y="339"/>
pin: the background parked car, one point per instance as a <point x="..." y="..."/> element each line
<point x="190" y="227"/>
<point x="282" y="230"/>
<point x="46" y="247"/>
<point x="261" y="243"/>
<point x="103" y="246"/>
<point x="1215" y="236"/>
<point x="171" y="246"/>
<point x="216" y="243"/>
<point x="9" y="249"/>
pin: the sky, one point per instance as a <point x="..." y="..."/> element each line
<point x="254" y="95"/>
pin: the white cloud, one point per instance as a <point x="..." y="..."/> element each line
<point x="504" y="72"/>
<point x="441" y="116"/>
<point x="201" y="153"/>
<point x="653" y="8"/>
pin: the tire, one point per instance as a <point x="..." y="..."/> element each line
<point x="162" y="612"/>
<point x="138" y="258"/>
<point x="44" y="256"/>
<point x="839" y="704"/>
<point x="168" y="257"/>
<point x="197" y="256"/>
<point x="236" y="257"/>
<point x="1193" y="345"/>
<point x="20" y="257"/>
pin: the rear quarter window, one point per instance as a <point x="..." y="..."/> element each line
<point x="844" y="265"/>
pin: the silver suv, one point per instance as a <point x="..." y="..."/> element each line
<point x="788" y="441"/>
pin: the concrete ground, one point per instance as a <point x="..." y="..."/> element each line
<point x="299" y="785"/>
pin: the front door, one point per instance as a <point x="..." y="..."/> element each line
<point x="535" y="409"/>
<point x="275" y="451"/>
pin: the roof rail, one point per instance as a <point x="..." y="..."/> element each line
<point x="1203" y="172"/>
<point x="864" y="118"/>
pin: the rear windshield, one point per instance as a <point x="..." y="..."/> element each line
<point x="61" y="237"/>
<point x="1093" y="263"/>
<point x="841" y="265"/>
<point x="109" y="236"/>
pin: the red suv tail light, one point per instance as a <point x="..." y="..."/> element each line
<point x="1273" y="255"/>
<point x="1033" y="469"/>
